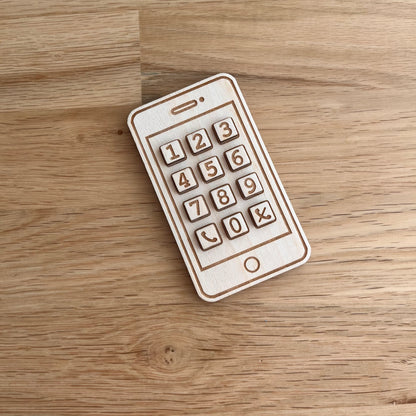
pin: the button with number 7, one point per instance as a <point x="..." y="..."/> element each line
<point x="196" y="208"/>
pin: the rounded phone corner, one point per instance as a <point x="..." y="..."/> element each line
<point x="227" y="76"/>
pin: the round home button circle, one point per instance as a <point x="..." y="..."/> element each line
<point x="251" y="264"/>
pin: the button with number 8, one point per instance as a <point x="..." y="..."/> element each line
<point x="225" y="130"/>
<point x="249" y="186"/>
<point x="222" y="197"/>
<point x="199" y="141"/>
<point x="184" y="180"/>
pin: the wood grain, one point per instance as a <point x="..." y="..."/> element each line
<point x="97" y="312"/>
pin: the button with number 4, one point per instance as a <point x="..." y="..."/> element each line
<point x="211" y="169"/>
<point x="172" y="152"/>
<point x="199" y="141"/>
<point x="250" y="186"/>
<point x="208" y="236"/>
<point x="184" y="180"/>
<point x="196" y="208"/>
<point x="237" y="158"/>
<point x="222" y="197"/>
<point x="225" y="130"/>
<point x="235" y="225"/>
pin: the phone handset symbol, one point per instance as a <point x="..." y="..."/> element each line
<point x="262" y="214"/>
<point x="211" y="240"/>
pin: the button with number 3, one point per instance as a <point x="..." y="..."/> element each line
<point x="184" y="180"/>
<point x="225" y="130"/>
<point x="196" y="208"/>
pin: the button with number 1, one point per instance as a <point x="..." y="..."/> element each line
<point x="172" y="152"/>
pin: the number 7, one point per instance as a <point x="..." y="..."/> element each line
<point x="196" y="202"/>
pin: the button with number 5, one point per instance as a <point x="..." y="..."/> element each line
<point x="211" y="169"/>
<point x="225" y="130"/>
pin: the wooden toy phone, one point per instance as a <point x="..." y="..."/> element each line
<point x="228" y="211"/>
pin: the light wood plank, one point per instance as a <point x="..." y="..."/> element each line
<point x="69" y="61"/>
<point x="97" y="313"/>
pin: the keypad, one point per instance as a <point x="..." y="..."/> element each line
<point x="222" y="195"/>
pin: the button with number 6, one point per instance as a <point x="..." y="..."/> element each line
<point x="237" y="158"/>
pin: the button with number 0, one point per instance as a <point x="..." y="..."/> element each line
<point x="249" y="186"/>
<point x="172" y="152"/>
<point x="235" y="225"/>
<point x="184" y="180"/>
<point x="211" y="169"/>
<point x="199" y="141"/>
<point x="225" y="130"/>
<point x="196" y="208"/>
<point x="237" y="158"/>
<point x="222" y="197"/>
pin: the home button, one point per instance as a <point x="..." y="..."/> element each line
<point x="251" y="264"/>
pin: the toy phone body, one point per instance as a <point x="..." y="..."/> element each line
<point x="233" y="266"/>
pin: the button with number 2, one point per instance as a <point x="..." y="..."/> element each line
<point x="199" y="141"/>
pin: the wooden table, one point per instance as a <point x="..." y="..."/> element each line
<point x="97" y="313"/>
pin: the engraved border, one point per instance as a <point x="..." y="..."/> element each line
<point x="139" y="141"/>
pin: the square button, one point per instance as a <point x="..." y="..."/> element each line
<point x="225" y="130"/>
<point x="184" y="180"/>
<point x="172" y="152"/>
<point x="262" y="214"/>
<point x="237" y="158"/>
<point x="222" y="197"/>
<point x="211" y="169"/>
<point x="208" y="236"/>
<point x="199" y="141"/>
<point x="235" y="225"/>
<point x="196" y="208"/>
<point x="249" y="186"/>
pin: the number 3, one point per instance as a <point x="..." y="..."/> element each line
<point x="226" y="127"/>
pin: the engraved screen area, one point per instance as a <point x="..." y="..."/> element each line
<point x="218" y="185"/>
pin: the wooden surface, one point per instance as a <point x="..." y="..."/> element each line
<point x="97" y="312"/>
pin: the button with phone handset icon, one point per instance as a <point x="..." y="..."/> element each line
<point x="208" y="236"/>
